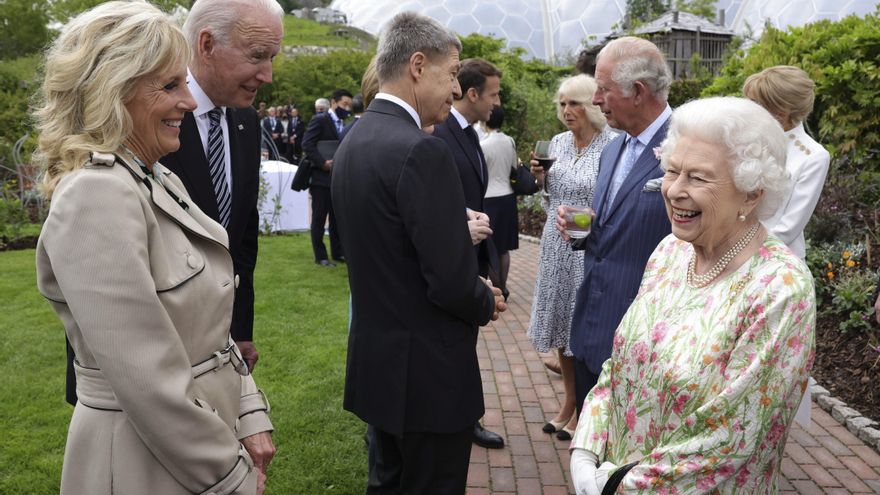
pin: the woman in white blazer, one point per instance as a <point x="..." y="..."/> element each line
<point x="787" y="93"/>
<point x="141" y="278"/>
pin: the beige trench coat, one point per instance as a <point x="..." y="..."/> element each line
<point x="144" y="288"/>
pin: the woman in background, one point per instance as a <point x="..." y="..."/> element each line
<point x="570" y="181"/>
<point x="500" y="202"/>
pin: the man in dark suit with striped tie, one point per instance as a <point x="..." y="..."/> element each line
<point x="630" y="214"/>
<point x="219" y="156"/>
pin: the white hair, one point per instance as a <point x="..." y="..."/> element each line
<point x="754" y="140"/>
<point x="323" y="104"/>
<point x="221" y="16"/>
<point x="637" y="59"/>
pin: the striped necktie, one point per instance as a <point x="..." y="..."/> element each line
<point x="218" y="167"/>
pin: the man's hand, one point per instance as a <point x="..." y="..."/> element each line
<point x="560" y="223"/>
<point x="328" y="164"/>
<point x="500" y="304"/>
<point x="877" y="308"/>
<point x="248" y="353"/>
<point x="478" y="226"/>
<point x="261" y="450"/>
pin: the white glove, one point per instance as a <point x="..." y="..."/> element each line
<point x="583" y="472"/>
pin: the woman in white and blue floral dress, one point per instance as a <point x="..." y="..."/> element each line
<point x="570" y="181"/>
<point x="711" y="360"/>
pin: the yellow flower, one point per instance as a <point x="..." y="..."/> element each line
<point x="846" y="254"/>
<point x="787" y="278"/>
<point x="850" y="263"/>
<point x="830" y="275"/>
<point x="830" y="266"/>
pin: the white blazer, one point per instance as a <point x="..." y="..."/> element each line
<point x="807" y="163"/>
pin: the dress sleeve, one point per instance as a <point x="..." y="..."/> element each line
<point x="592" y="429"/>
<point x="740" y="433"/>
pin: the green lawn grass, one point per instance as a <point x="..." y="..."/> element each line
<point x="301" y="333"/>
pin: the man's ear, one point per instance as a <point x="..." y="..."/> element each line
<point x="418" y="62"/>
<point x="639" y="91"/>
<point x="206" y="43"/>
<point x="472" y="94"/>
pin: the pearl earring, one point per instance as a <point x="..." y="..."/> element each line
<point x="741" y="217"/>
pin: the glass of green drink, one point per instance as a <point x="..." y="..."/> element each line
<point x="578" y="220"/>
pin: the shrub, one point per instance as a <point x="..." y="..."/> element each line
<point x="843" y="58"/>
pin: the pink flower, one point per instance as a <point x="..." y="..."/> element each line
<point x="631" y="418"/>
<point x="641" y="352"/>
<point x="658" y="333"/>
<point x="706" y="482"/>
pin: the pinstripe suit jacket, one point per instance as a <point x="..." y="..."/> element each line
<point x="617" y="250"/>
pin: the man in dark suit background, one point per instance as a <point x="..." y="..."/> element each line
<point x="272" y="124"/>
<point x="412" y="370"/>
<point x="326" y="126"/>
<point x="630" y="214"/>
<point x="480" y="83"/>
<point x="296" y="130"/>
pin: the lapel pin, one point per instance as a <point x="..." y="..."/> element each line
<point x="240" y="127"/>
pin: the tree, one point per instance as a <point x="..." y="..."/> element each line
<point x="23" y="27"/>
<point x="62" y="10"/>
<point x="641" y="11"/>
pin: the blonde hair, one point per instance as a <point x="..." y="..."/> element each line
<point x="370" y="82"/>
<point x="784" y="90"/>
<point x="581" y="89"/>
<point x="91" y="72"/>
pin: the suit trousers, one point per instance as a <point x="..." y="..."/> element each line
<point x="321" y="207"/>
<point x="419" y="463"/>
<point x="584" y="381"/>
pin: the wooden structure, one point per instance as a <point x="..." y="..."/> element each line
<point x="680" y="35"/>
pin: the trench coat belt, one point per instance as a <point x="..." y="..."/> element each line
<point x="92" y="389"/>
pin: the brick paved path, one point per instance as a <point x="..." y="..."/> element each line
<point x="521" y="394"/>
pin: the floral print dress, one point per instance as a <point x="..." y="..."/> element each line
<point x="570" y="181"/>
<point x="703" y="384"/>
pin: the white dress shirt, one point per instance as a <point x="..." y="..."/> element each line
<point x="203" y="122"/>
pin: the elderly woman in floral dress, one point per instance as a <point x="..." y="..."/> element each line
<point x="712" y="358"/>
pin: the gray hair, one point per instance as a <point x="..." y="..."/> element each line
<point x="322" y="103"/>
<point x="221" y="16"/>
<point x="638" y="60"/>
<point x="754" y="141"/>
<point x="406" y="34"/>
<point x="580" y="88"/>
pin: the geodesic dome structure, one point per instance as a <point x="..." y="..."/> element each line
<point x="549" y="29"/>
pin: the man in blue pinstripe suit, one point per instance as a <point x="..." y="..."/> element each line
<point x="633" y="81"/>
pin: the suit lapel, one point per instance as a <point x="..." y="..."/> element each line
<point x="606" y="171"/>
<point x="644" y="166"/>
<point x="193" y="168"/>
<point x="237" y="162"/>
<point x="465" y="144"/>
<point x="172" y="209"/>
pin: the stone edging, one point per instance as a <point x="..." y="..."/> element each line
<point x="866" y="429"/>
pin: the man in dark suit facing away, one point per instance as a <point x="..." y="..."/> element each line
<point x="417" y="299"/>
<point x="630" y="217"/>
<point x="480" y="83"/>
<point x="326" y="126"/>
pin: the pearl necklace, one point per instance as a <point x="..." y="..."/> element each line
<point x="579" y="152"/>
<point x="700" y="281"/>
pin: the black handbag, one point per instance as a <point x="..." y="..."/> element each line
<point x="303" y="177"/>
<point x="522" y="181"/>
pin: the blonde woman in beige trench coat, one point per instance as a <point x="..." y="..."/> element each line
<point x="141" y="279"/>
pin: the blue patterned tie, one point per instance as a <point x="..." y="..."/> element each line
<point x="623" y="170"/>
<point x="218" y="167"/>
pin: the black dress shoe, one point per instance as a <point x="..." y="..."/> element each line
<point x="486" y="438"/>
<point x="340" y="259"/>
<point x="326" y="263"/>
